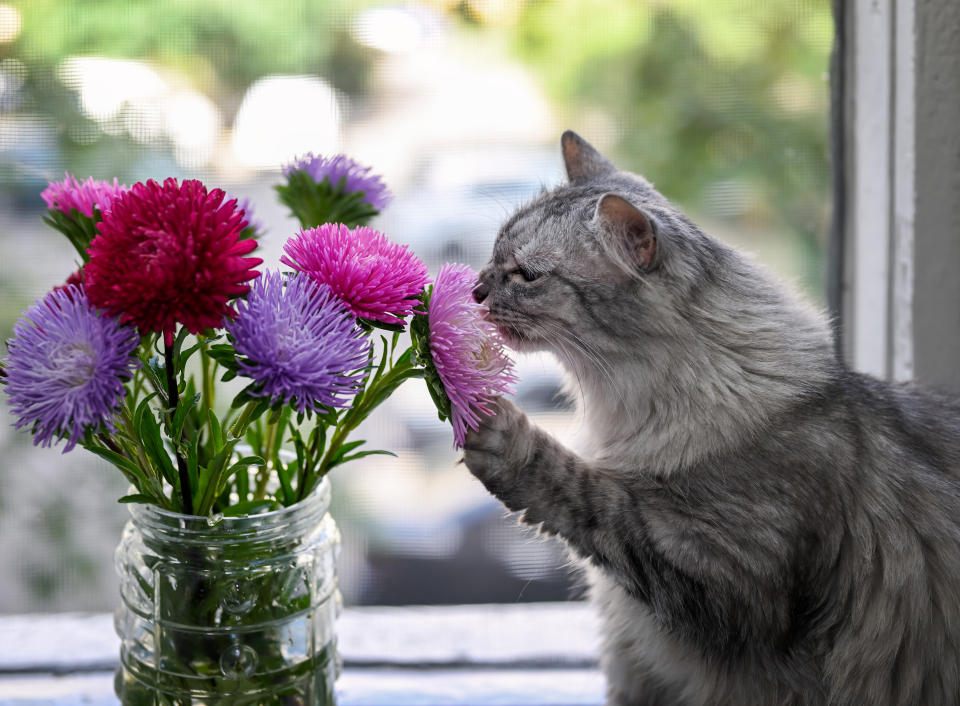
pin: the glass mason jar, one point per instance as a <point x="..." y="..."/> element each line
<point x="229" y="610"/>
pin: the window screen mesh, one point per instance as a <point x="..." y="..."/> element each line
<point x="721" y="103"/>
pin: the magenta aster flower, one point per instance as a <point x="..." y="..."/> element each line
<point x="466" y="350"/>
<point x="170" y="254"/>
<point x="354" y="176"/>
<point x="67" y="366"/>
<point x="85" y="196"/>
<point x="298" y="343"/>
<point x="376" y="278"/>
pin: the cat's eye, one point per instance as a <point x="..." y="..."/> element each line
<point x="523" y="275"/>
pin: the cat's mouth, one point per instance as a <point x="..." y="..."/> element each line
<point x="512" y="335"/>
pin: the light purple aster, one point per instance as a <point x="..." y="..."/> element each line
<point x="466" y="350"/>
<point x="67" y="366"/>
<point x="298" y="342"/>
<point x="358" y="177"/>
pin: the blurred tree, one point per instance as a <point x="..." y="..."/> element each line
<point x="217" y="47"/>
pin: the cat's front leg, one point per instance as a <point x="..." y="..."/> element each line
<point x="526" y="468"/>
<point x="501" y="446"/>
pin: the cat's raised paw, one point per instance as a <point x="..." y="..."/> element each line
<point x="498" y="443"/>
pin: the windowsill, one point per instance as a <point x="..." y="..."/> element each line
<point x="538" y="654"/>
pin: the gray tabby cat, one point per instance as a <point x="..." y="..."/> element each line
<point x="758" y="524"/>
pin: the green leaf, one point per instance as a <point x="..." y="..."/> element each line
<point x="245" y="395"/>
<point x="384" y="390"/>
<point x="437" y="393"/>
<point x="343" y="450"/>
<point x="216" y="431"/>
<point x="78" y="228"/>
<point x="318" y="438"/>
<point x="361" y="454"/>
<point x="224" y="354"/>
<point x="193" y="462"/>
<point x="314" y="203"/>
<point x="381" y="366"/>
<point x="131" y="470"/>
<point x="285" y="486"/>
<point x="240" y="466"/>
<point x="135" y="498"/>
<point x="155" y="373"/>
<point x="178" y="345"/>
<point x="384" y="326"/>
<point x="180" y="416"/>
<point x="142" y="409"/>
<point x="276" y="413"/>
<point x="185" y="356"/>
<point x="243" y="484"/>
<point x="247" y="461"/>
<point x="149" y="433"/>
<point x="212" y="477"/>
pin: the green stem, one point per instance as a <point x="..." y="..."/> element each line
<point x="206" y="379"/>
<point x="263" y="475"/>
<point x="239" y="427"/>
<point x="110" y="444"/>
<point x="173" y="401"/>
<point x="302" y="475"/>
<point x="350" y="421"/>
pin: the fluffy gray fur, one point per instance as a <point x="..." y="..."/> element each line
<point x="758" y="524"/>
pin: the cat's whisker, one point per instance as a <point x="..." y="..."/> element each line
<point x="591" y="353"/>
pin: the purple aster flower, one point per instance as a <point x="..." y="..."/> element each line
<point x="356" y="176"/>
<point x="375" y="278"/>
<point x="466" y="350"/>
<point x="298" y="343"/>
<point x="85" y="196"/>
<point x="67" y="366"/>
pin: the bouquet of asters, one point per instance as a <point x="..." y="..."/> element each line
<point x="225" y="394"/>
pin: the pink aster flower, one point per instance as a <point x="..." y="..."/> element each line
<point x="375" y="278"/>
<point x="85" y="196"/>
<point x="466" y="350"/>
<point x="170" y="254"/>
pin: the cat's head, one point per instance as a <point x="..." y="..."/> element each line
<point x="596" y="263"/>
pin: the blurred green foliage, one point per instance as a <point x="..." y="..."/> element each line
<point x="224" y="44"/>
<point x="218" y="46"/>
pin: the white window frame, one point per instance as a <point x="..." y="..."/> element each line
<point x="899" y="173"/>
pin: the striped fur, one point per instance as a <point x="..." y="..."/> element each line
<point x="758" y="524"/>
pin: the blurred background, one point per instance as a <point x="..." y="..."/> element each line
<point x="459" y="105"/>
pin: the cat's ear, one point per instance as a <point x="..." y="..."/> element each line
<point x="630" y="234"/>
<point x="581" y="159"/>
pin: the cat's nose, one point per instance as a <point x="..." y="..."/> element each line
<point x="480" y="292"/>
